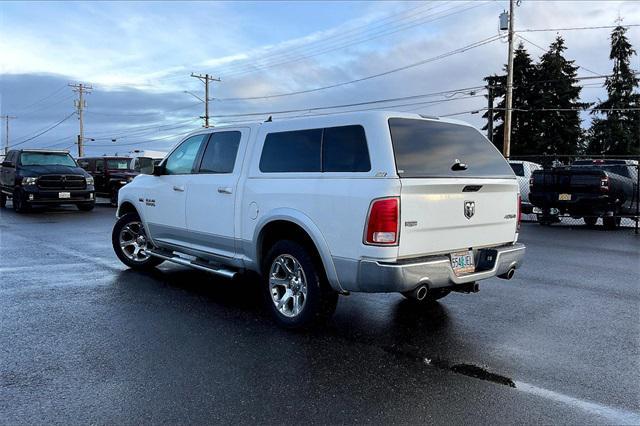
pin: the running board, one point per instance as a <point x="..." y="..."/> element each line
<point x="223" y="272"/>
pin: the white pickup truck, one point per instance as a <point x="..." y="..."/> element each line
<point x="328" y="205"/>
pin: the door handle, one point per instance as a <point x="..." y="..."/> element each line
<point x="224" y="190"/>
<point x="178" y="188"/>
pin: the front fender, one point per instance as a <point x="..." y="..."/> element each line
<point x="303" y="221"/>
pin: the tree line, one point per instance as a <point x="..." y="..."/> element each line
<point x="546" y="104"/>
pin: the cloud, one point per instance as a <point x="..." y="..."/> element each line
<point x="139" y="56"/>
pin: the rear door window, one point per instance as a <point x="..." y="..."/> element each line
<point x="294" y="151"/>
<point x="344" y="149"/>
<point x="221" y="151"/>
<point x="425" y="148"/>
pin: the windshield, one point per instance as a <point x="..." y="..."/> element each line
<point x="46" y="159"/>
<point x="431" y="149"/>
<point x="119" y="164"/>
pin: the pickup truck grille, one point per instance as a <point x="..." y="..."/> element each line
<point x="61" y="182"/>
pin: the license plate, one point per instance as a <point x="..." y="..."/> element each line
<point x="564" y="197"/>
<point x="462" y="262"/>
<point x="64" y="195"/>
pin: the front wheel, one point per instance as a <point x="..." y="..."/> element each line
<point x="298" y="294"/>
<point x="20" y="204"/>
<point x="590" y="220"/>
<point x="3" y="200"/>
<point x="611" y="222"/>
<point x="113" y="197"/>
<point x="86" y="207"/>
<point x="130" y="243"/>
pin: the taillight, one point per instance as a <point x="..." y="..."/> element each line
<point x="530" y="182"/>
<point x="604" y="183"/>
<point x="382" y="222"/>
<point x="519" y="210"/>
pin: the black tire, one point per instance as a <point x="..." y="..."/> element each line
<point x="3" y="200"/>
<point x="432" y="296"/>
<point x="113" y="197"/>
<point x="142" y="264"/>
<point x="20" y="204"/>
<point x="86" y="207"/>
<point x="320" y="301"/>
<point x="611" y="222"/>
<point x="590" y="220"/>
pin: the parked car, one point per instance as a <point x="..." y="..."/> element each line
<point x="587" y="189"/>
<point x="112" y="173"/>
<point x="523" y="170"/>
<point x="322" y="206"/>
<point x="31" y="176"/>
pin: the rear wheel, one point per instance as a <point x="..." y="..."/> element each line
<point x="113" y="197"/>
<point x="20" y="204"/>
<point x="130" y="243"/>
<point x="590" y="220"/>
<point x="297" y="292"/>
<point x="3" y="200"/>
<point x="611" y="222"/>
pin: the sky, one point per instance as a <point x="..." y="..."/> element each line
<point x="138" y="57"/>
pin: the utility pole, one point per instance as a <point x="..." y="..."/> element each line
<point x="205" y="79"/>
<point x="490" y="88"/>
<point x="506" y="150"/>
<point x="7" y="117"/>
<point x="80" y="105"/>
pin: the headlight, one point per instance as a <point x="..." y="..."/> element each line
<point x="29" y="180"/>
<point x="89" y="180"/>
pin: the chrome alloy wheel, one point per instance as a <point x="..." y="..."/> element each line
<point x="287" y="285"/>
<point x="133" y="242"/>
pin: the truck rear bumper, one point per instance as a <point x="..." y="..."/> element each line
<point x="374" y="276"/>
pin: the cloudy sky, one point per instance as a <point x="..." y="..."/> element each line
<point x="138" y="57"/>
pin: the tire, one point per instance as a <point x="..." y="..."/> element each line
<point x="296" y="289"/>
<point x="543" y="220"/>
<point x="113" y="197"/>
<point x="590" y="220"/>
<point x="86" y="207"/>
<point x="611" y="222"/>
<point x="431" y="297"/>
<point x="128" y="229"/>
<point x="3" y="200"/>
<point x="20" y="205"/>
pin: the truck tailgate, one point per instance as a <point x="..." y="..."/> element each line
<point x="433" y="219"/>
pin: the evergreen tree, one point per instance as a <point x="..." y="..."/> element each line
<point x="616" y="127"/>
<point x="555" y="105"/>
<point x="522" y="142"/>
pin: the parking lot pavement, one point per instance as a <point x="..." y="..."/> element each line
<point x="84" y="340"/>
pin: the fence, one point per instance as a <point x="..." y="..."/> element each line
<point x="624" y="214"/>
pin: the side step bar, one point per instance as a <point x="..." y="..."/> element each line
<point x="221" y="271"/>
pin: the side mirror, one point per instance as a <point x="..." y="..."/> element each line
<point x="145" y="166"/>
<point x="159" y="170"/>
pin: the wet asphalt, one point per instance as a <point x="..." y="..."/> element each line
<point x="84" y="340"/>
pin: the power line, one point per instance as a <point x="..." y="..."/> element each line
<point x="358" y="80"/>
<point x="60" y="89"/>
<point x="374" y="36"/>
<point x="535" y="30"/>
<point x="544" y="50"/>
<point x="45" y="131"/>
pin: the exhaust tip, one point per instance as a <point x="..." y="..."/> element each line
<point x="421" y="292"/>
<point x="508" y="275"/>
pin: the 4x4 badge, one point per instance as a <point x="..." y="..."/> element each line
<point x="469" y="209"/>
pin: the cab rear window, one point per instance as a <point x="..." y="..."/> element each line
<point x="425" y="148"/>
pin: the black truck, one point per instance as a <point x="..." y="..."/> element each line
<point x="44" y="177"/>
<point x="586" y="189"/>
<point x="112" y="173"/>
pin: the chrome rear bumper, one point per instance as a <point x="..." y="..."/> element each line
<point x="374" y="276"/>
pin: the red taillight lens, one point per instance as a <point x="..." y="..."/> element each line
<point x="382" y="223"/>
<point x="519" y="210"/>
<point x="604" y="183"/>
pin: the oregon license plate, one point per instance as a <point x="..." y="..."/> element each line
<point x="64" y="195"/>
<point x="462" y="262"/>
<point x="564" y="197"/>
